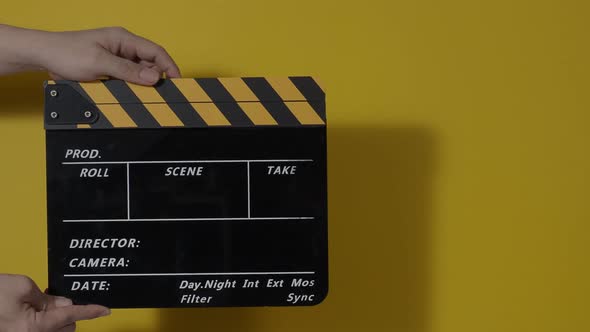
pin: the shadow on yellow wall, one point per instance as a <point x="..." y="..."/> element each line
<point x="22" y="93"/>
<point x="380" y="187"/>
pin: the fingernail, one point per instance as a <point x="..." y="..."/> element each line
<point x="62" y="302"/>
<point x="149" y="75"/>
<point x="105" y="313"/>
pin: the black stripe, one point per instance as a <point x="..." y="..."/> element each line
<point x="131" y="104"/>
<point x="167" y="89"/>
<point x="320" y="108"/>
<point x="121" y="91"/>
<point x="179" y="104"/>
<point x="262" y="89"/>
<point x="281" y="113"/>
<point x="101" y="123"/>
<point x="234" y="114"/>
<point x="312" y="93"/>
<point x="78" y="88"/>
<point x="225" y="102"/>
<point x="215" y="90"/>
<point x="308" y="88"/>
<point x="271" y="101"/>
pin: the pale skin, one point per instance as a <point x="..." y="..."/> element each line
<point x="81" y="56"/>
<point x="85" y="55"/>
<point x="24" y="308"/>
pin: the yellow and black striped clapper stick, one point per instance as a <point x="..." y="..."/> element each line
<point x="186" y="102"/>
<point x="189" y="193"/>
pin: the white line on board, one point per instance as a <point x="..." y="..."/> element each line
<point x="249" y="207"/>
<point x="187" y="219"/>
<point x="128" y="199"/>
<point x="184" y="161"/>
<point x="186" y="274"/>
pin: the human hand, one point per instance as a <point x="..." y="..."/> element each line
<point x="85" y="55"/>
<point x="24" y="308"/>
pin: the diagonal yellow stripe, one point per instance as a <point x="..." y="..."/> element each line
<point x="257" y="113"/>
<point x="319" y="83"/>
<point x="285" y="88"/>
<point x="191" y="90"/>
<point x="238" y="89"/>
<point x="304" y="112"/>
<point x="164" y="115"/>
<point x="211" y="114"/>
<point x="156" y="105"/>
<point x="147" y="94"/>
<point x="116" y="115"/>
<point x="99" y="93"/>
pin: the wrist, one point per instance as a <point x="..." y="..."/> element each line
<point x="22" y="47"/>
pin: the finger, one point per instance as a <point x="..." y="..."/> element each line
<point x="133" y="46"/>
<point x="152" y="66"/>
<point x="55" y="77"/>
<point x="68" y="328"/>
<point x="146" y="63"/>
<point x="128" y="70"/>
<point x="32" y="294"/>
<point x="58" y="302"/>
<point x="61" y="317"/>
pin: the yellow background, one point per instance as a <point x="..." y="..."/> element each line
<point x="458" y="154"/>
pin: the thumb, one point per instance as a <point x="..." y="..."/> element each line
<point x="60" y="317"/>
<point x="33" y="295"/>
<point x="129" y="71"/>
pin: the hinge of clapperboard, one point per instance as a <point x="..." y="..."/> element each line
<point x="65" y="106"/>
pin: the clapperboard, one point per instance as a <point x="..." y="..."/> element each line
<point x="194" y="192"/>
